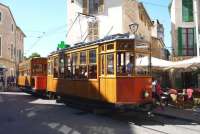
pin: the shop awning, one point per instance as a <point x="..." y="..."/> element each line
<point x="187" y="65"/>
<point x="155" y="62"/>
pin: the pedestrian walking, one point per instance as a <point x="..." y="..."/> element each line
<point x="154" y="82"/>
<point x="158" y="93"/>
<point x="1" y="83"/>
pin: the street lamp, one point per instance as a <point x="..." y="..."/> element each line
<point x="134" y="27"/>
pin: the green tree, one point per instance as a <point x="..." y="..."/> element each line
<point x="34" y="55"/>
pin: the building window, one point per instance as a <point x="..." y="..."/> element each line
<point x="93" y="32"/>
<point x="93" y="6"/>
<point x="20" y="55"/>
<point x="0" y="46"/>
<point x="15" y="51"/>
<point x="187" y="10"/>
<point x="11" y="51"/>
<point x="186" y="42"/>
<point x="12" y="27"/>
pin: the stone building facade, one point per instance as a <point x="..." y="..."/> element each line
<point x="88" y="20"/>
<point x="11" y="41"/>
<point x="183" y="23"/>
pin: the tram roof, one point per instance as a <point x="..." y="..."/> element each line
<point x="116" y="37"/>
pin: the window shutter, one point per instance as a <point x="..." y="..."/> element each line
<point x="180" y="46"/>
<point x="85" y="6"/>
<point x="187" y="10"/>
<point x="190" y="12"/>
<point x="101" y="6"/>
<point x="194" y="41"/>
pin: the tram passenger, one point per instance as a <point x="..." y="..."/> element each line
<point x="130" y="66"/>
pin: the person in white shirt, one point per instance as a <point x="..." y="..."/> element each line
<point x="154" y="82"/>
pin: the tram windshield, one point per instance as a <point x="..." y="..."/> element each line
<point x="125" y="63"/>
<point x="142" y="64"/>
<point x="39" y="69"/>
<point x="133" y="62"/>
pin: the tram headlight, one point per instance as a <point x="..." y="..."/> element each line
<point x="146" y="94"/>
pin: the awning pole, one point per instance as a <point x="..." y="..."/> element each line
<point x="197" y="25"/>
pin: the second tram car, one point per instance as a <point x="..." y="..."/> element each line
<point x="33" y="75"/>
<point x="102" y="72"/>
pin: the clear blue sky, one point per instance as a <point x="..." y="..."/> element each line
<point x="158" y="9"/>
<point x="44" y="21"/>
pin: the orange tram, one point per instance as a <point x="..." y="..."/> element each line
<point x="104" y="72"/>
<point x="33" y="75"/>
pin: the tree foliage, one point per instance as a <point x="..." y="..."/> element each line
<point x="33" y="55"/>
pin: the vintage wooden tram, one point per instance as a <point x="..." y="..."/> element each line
<point x="33" y="75"/>
<point x="102" y="72"/>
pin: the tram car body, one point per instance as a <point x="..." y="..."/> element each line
<point x="33" y="75"/>
<point x="100" y="73"/>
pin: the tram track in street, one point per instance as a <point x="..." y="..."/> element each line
<point x="143" y="121"/>
<point x="175" y="121"/>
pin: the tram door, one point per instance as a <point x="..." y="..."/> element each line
<point x="102" y="85"/>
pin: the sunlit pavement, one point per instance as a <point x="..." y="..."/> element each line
<point x="21" y="113"/>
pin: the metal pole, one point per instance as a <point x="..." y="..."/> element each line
<point x="197" y="25"/>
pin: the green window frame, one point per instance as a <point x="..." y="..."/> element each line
<point x="187" y="11"/>
<point x="186" y="42"/>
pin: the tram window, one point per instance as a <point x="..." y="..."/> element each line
<point x="55" y="69"/>
<point x="102" y="48"/>
<point x="37" y="69"/>
<point x="92" y="65"/>
<point x="140" y="58"/>
<point x="83" y="58"/>
<point x="110" y="63"/>
<point x="125" y="62"/>
<point x="110" y="46"/>
<point x="92" y="55"/>
<point x="92" y="71"/>
<point x="83" y="74"/>
<point x="129" y="63"/>
<point x="75" y="67"/>
<point x="74" y="59"/>
<point x="102" y="64"/>
<point x="68" y="68"/>
<point x="121" y="67"/>
<point x="49" y="68"/>
<point x="45" y="69"/>
<point x="61" y="68"/>
<point x="125" y="46"/>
